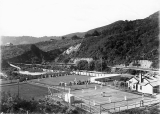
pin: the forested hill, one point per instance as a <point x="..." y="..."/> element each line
<point x="9" y="52"/>
<point x="118" y="43"/>
<point x="123" y="41"/>
<point x="34" y="55"/>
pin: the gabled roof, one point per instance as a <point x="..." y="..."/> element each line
<point x="143" y="84"/>
<point x="151" y="82"/>
<point x="134" y="78"/>
<point x="151" y="79"/>
<point x="156" y="83"/>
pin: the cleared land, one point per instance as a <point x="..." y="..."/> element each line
<point x="26" y="91"/>
<point x="90" y="94"/>
<point x="94" y="97"/>
<point x="54" y="81"/>
<point x="66" y="79"/>
<point x="87" y="93"/>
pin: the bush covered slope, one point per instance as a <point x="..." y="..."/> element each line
<point x="46" y="46"/>
<point x="118" y="43"/>
<point x="123" y="41"/>
<point x="34" y="55"/>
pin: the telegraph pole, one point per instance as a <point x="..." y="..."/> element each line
<point x="18" y="88"/>
<point x="101" y="64"/>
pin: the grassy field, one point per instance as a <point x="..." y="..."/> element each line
<point x="8" y="81"/>
<point x="26" y="91"/>
<point x="85" y="92"/>
<point x="89" y="94"/>
<point x="57" y="80"/>
<point x="66" y="79"/>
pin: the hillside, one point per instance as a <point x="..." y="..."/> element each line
<point x="57" y="44"/>
<point x="46" y="46"/>
<point x="118" y="43"/>
<point x="79" y="34"/>
<point x="20" y="40"/>
<point x="34" y="55"/>
<point x="123" y="41"/>
<point x="25" y="39"/>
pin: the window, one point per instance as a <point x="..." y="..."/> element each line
<point x="133" y="86"/>
<point x="140" y="87"/>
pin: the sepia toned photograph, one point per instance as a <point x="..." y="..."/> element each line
<point x="79" y="57"/>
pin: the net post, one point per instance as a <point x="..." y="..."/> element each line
<point x="100" y="108"/>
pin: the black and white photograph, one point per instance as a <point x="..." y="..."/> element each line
<point x="79" y="57"/>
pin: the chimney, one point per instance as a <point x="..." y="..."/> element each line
<point x="140" y="77"/>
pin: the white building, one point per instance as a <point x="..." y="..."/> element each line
<point x="77" y="60"/>
<point x="141" y="64"/>
<point x="9" y="44"/>
<point x="95" y="75"/>
<point x="145" y="84"/>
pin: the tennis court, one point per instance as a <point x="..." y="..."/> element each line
<point x="108" y="97"/>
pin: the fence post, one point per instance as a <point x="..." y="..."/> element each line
<point x="100" y="108"/>
<point x="89" y="106"/>
<point x="127" y="104"/>
<point x="140" y="103"/>
<point x="81" y="103"/>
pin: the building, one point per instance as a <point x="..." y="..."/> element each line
<point x="147" y="83"/>
<point x="67" y="65"/>
<point x="94" y="75"/>
<point x="77" y="60"/>
<point x="141" y="64"/>
<point x="9" y="44"/>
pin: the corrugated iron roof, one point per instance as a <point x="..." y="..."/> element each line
<point x="156" y="83"/>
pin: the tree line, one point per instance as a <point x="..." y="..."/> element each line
<point x="97" y="65"/>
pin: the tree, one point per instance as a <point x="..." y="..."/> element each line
<point x="97" y="66"/>
<point x="100" y="65"/>
<point x="63" y="37"/>
<point x="66" y="60"/>
<point x="92" y="65"/>
<point x="95" y="33"/>
<point x="82" y="65"/>
<point x="87" y="35"/>
<point x="75" y="37"/>
<point x="72" y="67"/>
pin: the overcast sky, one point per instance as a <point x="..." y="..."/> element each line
<point x="59" y="17"/>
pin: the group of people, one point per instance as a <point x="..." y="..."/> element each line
<point x="79" y="82"/>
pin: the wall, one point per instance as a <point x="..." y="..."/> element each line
<point x="146" y="89"/>
<point x="145" y="63"/>
<point x="132" y="83"/>
<point x="76" y="60"/>
<point x="142" y="63"/>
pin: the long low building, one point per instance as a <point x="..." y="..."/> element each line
<point x="94" y="75"/>
<point x="90" y="73"/>
<point x="95" y="79"/>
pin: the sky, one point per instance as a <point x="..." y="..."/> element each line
<point x="59" y="17"/>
